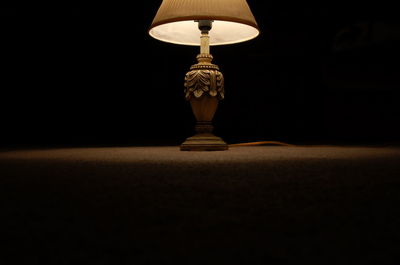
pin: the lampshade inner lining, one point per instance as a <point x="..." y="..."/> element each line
<point x="188" y="33"/>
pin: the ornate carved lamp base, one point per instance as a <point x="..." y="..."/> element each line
<point x="204" y="88"/>
<point x="204" y="140"/>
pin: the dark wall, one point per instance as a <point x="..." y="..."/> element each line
<point x="93" y="76"/>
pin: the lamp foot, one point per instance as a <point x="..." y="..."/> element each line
<point x="204" y="142"/>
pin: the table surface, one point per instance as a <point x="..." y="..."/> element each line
<point x="158" y="205"/>
<point x="236" y="161"/>
<point x="234" y="154"/>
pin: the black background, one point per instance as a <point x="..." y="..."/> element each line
<point x="93" y="76"/>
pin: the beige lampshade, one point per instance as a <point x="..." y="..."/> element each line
<point x="175" y="21"/>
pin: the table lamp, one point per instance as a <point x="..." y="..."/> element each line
<point x="204" y="23"/>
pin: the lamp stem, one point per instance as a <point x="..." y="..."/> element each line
<point x="205" y="43"/>
<point x="205" y="27"/>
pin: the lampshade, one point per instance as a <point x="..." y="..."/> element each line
<point x="233" y="21"/>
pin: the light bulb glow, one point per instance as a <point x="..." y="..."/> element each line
<point x="188" y="33"/>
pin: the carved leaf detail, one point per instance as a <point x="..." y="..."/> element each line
<point x="220" y="85"/>
<point x="200" y="81"/>
<point x="213" y="93"/>
<point x="198" y="93"/>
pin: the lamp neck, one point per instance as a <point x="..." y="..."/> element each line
<point x="205" y="43"/>
<point x="205" y="26"/>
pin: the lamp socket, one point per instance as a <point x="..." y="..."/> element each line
<point x="205" y="25"/>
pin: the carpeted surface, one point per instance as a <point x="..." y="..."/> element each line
<point x="157" y="205"/>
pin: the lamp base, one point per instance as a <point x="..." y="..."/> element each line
<point x="204" y="142"/>
<point x="204" y="87"/>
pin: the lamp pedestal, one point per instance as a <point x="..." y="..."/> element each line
<point x="204" y="87"/>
